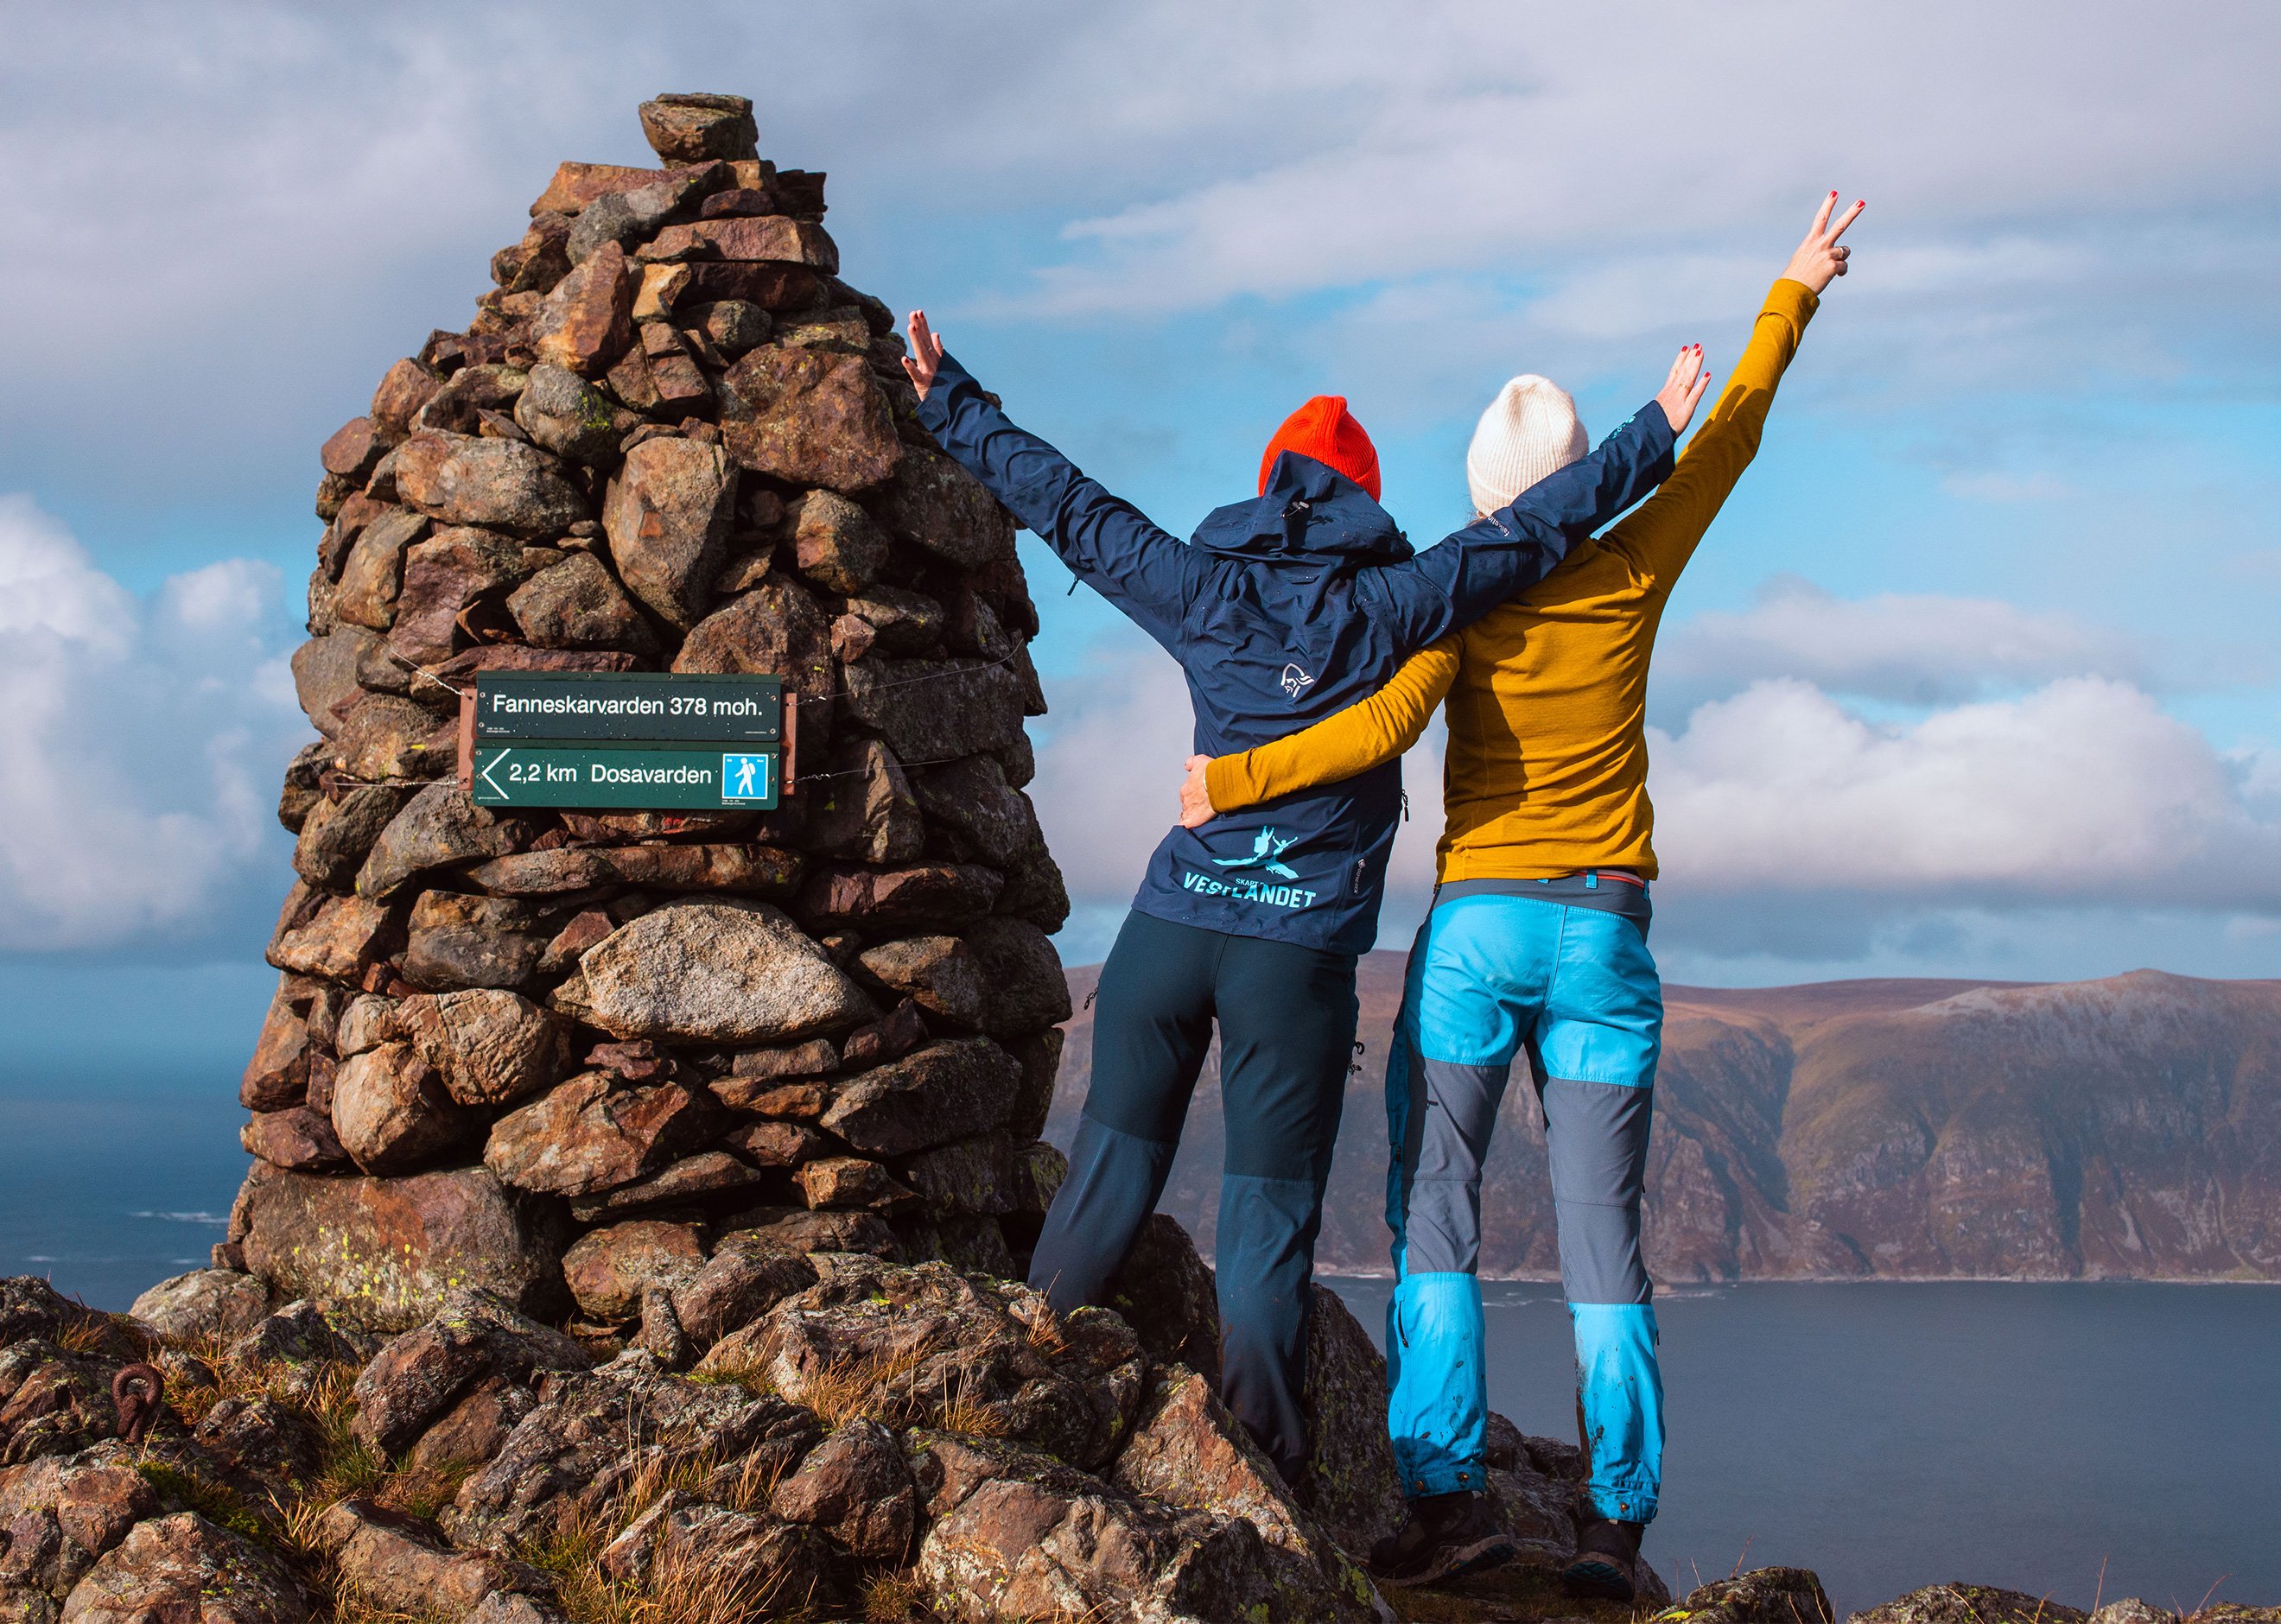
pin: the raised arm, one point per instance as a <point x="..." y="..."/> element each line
<point x="1144" y="570"/>
<point x="1350" y="741"/>
<point x="1658" y="539"/>
<point x="1448" y="587"/>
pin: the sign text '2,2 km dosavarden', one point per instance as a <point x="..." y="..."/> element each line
<point x="626" y="739"/>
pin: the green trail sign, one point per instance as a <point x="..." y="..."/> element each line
<point x="627" y="705"/>
<point x="625" y="740"/>
<point x="669" y="776"/>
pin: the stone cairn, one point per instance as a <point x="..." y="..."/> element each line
<point x="557" y="1055"/>
<point x="638" y="1199"/>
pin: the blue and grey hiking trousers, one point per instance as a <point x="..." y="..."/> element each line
<point x="1559" y="971"/>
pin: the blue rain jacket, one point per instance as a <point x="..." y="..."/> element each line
<point x="1283" y="609"/>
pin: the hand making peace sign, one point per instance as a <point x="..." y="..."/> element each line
<point x="1820" y="258"/>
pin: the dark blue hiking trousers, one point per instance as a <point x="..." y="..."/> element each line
<point x="1286" y="1025"/>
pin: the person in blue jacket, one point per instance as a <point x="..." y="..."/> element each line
<point x="1284" y="607"/>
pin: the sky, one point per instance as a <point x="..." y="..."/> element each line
<point x="1975" y="675"/>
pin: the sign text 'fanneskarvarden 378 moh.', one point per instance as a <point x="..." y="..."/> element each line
<point x="629" y="705"/>
<point x="625" y="740"/>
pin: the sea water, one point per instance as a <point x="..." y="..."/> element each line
<point x="106" y="1197"/>
<point x="2070" y="1441"/>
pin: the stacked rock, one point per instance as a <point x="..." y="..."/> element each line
<point x="570" y="1056"/>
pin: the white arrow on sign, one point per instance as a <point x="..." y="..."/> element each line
<point x="494" y="783"/>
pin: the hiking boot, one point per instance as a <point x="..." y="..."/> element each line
<point x="1441" y="1536"/>
<point x="1607" y="1559"/>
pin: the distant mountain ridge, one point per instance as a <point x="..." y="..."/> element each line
<point x="2123" y="1128"/>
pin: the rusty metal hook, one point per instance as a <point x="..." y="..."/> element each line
<point x="137" y="1391"/>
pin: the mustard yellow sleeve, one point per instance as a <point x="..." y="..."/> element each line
<point x="1352" y="741"/>
<point x="1661" y="537"/>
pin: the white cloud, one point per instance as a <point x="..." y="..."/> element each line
<point x="1500" y="138"/>
<point x="2083" y="793"/>
<point x="1109" y="757"/>
<point x="1911" y="649"/>
<point x="254" y="174"/>
<point x="144" y="742"/>
<point x="220" y="597"/>
<point x="47" y="587"/>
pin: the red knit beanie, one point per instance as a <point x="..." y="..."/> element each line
<point x="1325" y="430"/>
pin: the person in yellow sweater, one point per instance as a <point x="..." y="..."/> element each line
<point x="1536" y="944"/>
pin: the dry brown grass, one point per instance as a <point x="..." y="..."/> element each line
<point x="753" y="1378"/>
<point x="855" y="1390"/>
<point x="1045" y="1332"/>
<point x="896" y="1598"/>
<point x="94" y="1331"/>
<point x="748" y="1488"/>
<point x="212" y="1346"/>
<point x="570" y="1553"/>
<point x="289" y="1520"/>
<point x="322" y="1390"/>
<point x="346" y="1468"/>
<point x="420" y="1491"/>
<point x="964" y="1412"/>
<point x="296" y="1521"/>
<point x="85" y="1335"/>
<point x="677" y="1590"/>
<point x="860" y="1389"/>
<point x="683" y="1589"/>
<point x="349" y="1605"/>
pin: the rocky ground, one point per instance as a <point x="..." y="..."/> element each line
<point x="808" y="1436"/>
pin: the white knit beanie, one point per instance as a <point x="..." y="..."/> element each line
<point x="1529" y="432"/>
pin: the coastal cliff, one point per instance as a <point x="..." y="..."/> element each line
<point x="2124" y="1129"/>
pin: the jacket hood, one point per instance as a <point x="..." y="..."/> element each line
<point x="1308" y="512"/>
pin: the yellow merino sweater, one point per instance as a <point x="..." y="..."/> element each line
<point x="1547" y="769"/>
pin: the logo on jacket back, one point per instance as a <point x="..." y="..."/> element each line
<point x="1295" y="681"/>
<point x="1266" y="855"/>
